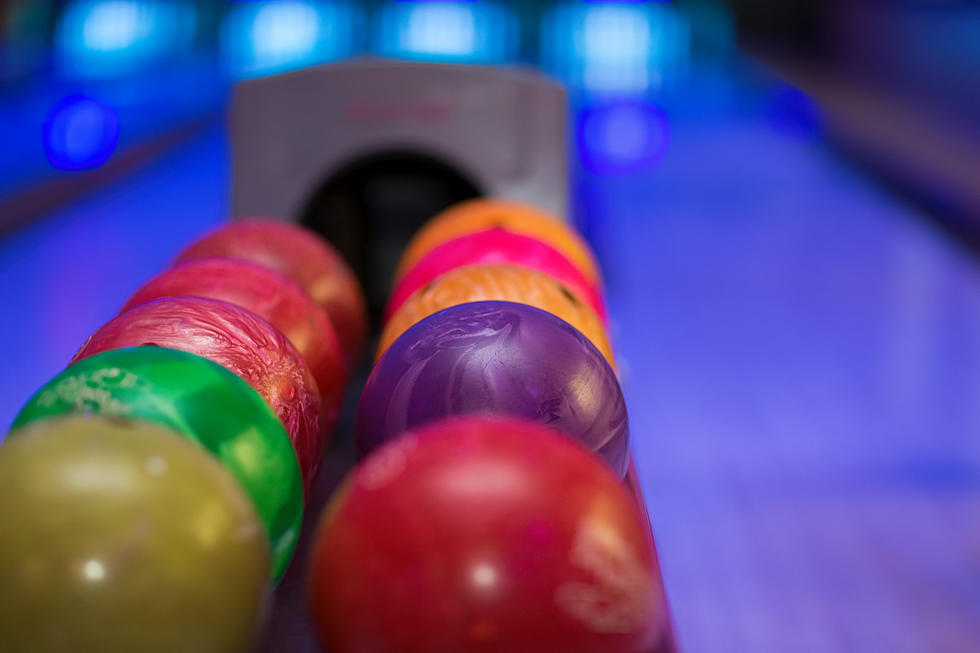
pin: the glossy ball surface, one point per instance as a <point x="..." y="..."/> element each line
<point x="500" y="247"/>
<point x="237" y="340"/>
<point x="511" y="283"/>
<point x="485" y="535"/>
<point x="487" y="213"/>
<point x="273" y="297"/>
<point x="305" y="258"/>
<point x="205" y="403"/>
<point x="496" y="359"/>
<point x="123" y="536"/>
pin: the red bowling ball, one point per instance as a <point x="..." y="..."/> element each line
<point x="305" y="258"/>
<point x="479" y="534"/>
<point x="238" y="340"/>
<point x="273" y="297"/>
<point x="495" y="246"/>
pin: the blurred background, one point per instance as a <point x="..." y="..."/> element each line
<point x="784" y="196"/>
<point x="90" y="83"/>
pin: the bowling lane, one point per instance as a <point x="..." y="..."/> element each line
<point x="800" y="356"/>
<point x="802" y="362"/>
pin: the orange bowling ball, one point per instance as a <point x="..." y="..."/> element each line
<point x="499" y="282"/>
<point x="481" y="214"/>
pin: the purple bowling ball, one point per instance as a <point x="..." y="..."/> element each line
<point x="496" y="358"/>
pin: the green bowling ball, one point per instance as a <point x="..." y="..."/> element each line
<point x="206" y="403"/>
<point x="120" y="536"/>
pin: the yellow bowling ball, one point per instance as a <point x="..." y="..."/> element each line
<point x="124" y="537"/>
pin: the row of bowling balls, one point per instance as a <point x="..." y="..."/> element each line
<point x="489" y="512"/>
<point x="121" y="532"/>
<point x="497" y="309"/>
<point x="476" y="533"/>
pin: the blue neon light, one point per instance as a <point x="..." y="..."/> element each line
<point x="80" y="132"/>
<point x="619" y="48"/>
<point x="262" y="38"/>
<point x="622" y="137"/>
<point x="462" y="32"/>
<point x="99" y="38"/>
<point x="112" y="26"/>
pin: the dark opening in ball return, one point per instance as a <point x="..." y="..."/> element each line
<point x="370" y="208"/>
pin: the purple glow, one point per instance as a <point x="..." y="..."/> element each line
<point x="80" y="133"/>
<point x="622" y="137"/>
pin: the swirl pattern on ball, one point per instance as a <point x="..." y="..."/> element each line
<point x="273" y="297"/>
<point x="486" y="213"/>
<point x="511" y="283"/>
<point x="237" y="340"/>
<point x="496" y="358"/>
<point x="495" y="246"/>
<point x="303" y="257"/>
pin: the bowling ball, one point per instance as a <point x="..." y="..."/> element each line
<point x="485" y="535"/>
<point x="486" y="213"/>
<point x="510" y="283"/>
<point x="305" y="258"/>
<point x="239" y="341"/>
<point x="121" y="536"/>
<point x="496" y="358"/>
<point x="273" y="297"/>
<point x="495" y="246"/>
<point x="205" y="403"/>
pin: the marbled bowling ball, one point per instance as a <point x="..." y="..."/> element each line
<point x="485" y="535"/>
<point x="496" y="358"/>
<point x="511" y="283"/>
<point x="495" y="246"/>
<point x="272" y="296"/>
<point x="305" y="258"/>
<point x="489" y="213"/>
<point x="238" y="340"/>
